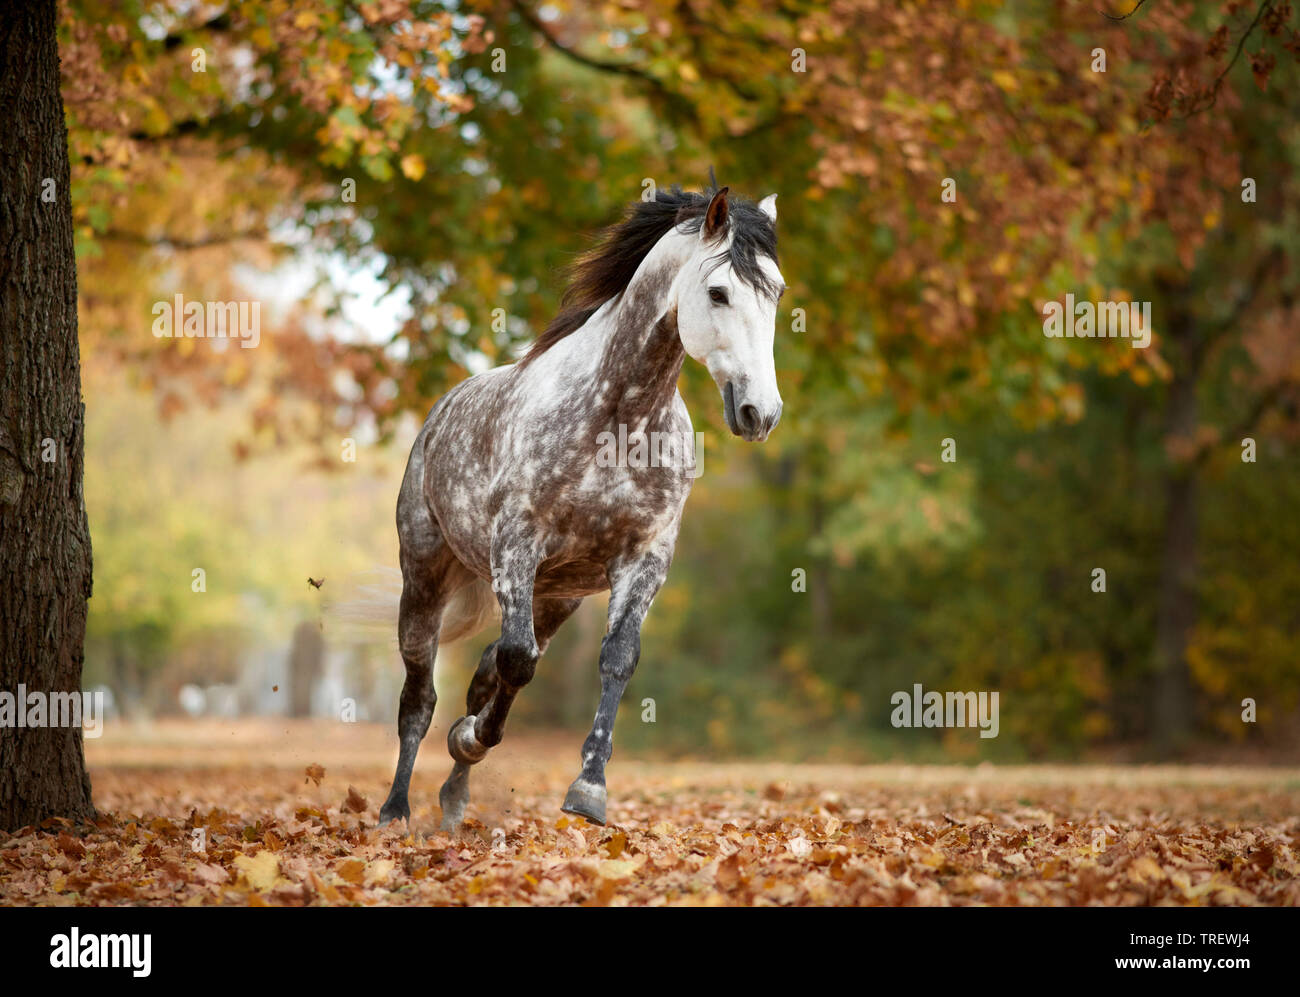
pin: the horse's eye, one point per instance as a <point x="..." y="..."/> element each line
<point x="718" y="295"/>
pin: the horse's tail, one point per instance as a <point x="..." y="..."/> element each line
<point x="469" y="611"/>
<point x="367" y="606"/>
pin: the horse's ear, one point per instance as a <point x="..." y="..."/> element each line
<point x="768" y="207"/>
<point x="715" y="215"/>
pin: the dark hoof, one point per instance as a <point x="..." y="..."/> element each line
<point x="586" y="799"/>
<point x="463" y="743"/>
<point x="394" y="811"/>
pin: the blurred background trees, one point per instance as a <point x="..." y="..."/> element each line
<point x="401" y="183"/>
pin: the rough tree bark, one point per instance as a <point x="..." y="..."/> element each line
<point x="44" y="537"/>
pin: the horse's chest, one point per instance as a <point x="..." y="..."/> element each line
<point x="609" y="510"/>
<point x="578" y="495"/>
<point x="582" y="529"/>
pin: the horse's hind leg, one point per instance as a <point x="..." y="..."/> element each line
<point x="430" y="574"/>
<point x="548" y="615"/>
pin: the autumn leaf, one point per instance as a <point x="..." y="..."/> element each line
<point x="615" y="845"/>
<point x="261" y="871"/>
<point x="1261" y="65"/>
<point x="353" y="871"/>
<point x="70" y="846"/>
<point x="355" y="803"/>
<point x="377" y="872"/>
<point x="730" y="872"/>
<point x="209" y="873"/>
<point x="616" y="868"/>
<point x="1145" y="869"/>
<point x="413" y="166"/>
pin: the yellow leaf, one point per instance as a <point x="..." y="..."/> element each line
<point x="615" y="845"/>
<point x="1005" y="80"/>
<point x="379" y="870"/>
<point x="1145" y="869"/>
<point x="616" y="869"/>
<point x="413" y="166"/>
<point x="262" y="871"/>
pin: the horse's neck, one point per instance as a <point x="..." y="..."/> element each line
<point x="642" y="353"/>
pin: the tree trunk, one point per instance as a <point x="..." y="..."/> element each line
<point x="819" y="577"/>
<point x="44" y="536"/>
<point x="306" y="663"/>
<point x="1176" y="609"/>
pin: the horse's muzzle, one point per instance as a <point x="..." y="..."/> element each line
<point x="746" y="421"/>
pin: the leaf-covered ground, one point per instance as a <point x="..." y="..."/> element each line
<point x="245" y="796"/>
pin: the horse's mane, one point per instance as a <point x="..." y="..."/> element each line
<point x="608" y="267"/>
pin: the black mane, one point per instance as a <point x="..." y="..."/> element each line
<point x="607" y="269"/>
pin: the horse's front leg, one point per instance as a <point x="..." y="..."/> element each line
<point x="514" y="569"/>
<point x="548" y="614"/>
<point x="633" y="584"/>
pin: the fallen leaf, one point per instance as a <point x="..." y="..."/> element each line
<point x="378" y="871"/>
<point x="355" y="803"/>
<point x="353" y="871"/>
<point x="615" y="845"/>
<point x="261" y="871"/>
<point x="208" y="873"/>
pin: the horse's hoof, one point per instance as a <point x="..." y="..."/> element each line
<point x="586" y="799"/>
<point x="453" y="797"/>
<point x="463" y="743"/>
<point x="394" y="811"/>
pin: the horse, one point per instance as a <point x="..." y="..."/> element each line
<point x="504" y="496"/>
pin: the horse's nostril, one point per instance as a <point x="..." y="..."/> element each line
<point x="749" y="420"/>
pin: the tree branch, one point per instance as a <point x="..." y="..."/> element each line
<point x="221" y="22"/>
<point x="630" y="70"/>
<point x="1263" y="403"/>
<point x="171" y="242"/>
<point x="1241" y="44"/>
<point x="187" y="127"/>
<point x="1215" y="331"/>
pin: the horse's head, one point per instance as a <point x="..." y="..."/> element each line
<point x="726" y="309"/>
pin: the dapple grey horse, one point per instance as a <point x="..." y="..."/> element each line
<point x="504" y="487"/>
